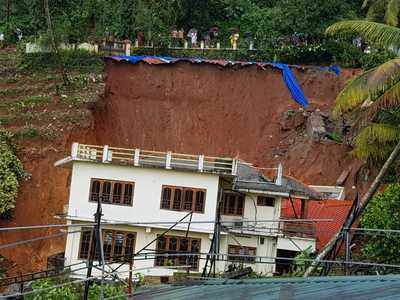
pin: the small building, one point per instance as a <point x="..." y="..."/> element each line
<point x="158" y="207"/>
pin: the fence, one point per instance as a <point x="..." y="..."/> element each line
<point x="146" y="158"/>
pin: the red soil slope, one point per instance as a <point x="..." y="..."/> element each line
<point x="184" y="108"/>
<point x="219" y="111"/>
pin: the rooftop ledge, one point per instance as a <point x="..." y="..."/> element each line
<point x="151" y="159"/>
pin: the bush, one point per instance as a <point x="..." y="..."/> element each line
<point x="320" y="53"/>
<point x="11" y="171"/>
<point x="383" y="212"/>
<point x="72" y="291"/>
<point x="72" y="59"/>
<point x="376" y="58"/>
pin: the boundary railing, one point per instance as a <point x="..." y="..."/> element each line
<point x="146" y="158"/>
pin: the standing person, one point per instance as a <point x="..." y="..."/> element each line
<point x="214" y="34"/>
<point x="174" y="37"/>
<point x="140" y="38"/>
<point x="18" y="35"/>
<point x="207" y="40"/>
<point x="234" y="39"/>
<point x="1" y="40"/>
<point x="192" y="35"/>
<point x="181" y="37"/>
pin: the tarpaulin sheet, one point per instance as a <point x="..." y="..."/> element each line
<point x="287" y="74"/>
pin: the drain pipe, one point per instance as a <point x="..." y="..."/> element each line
<point x="278" y="179"/>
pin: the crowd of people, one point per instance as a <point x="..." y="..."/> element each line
<point x="210" y="38"/>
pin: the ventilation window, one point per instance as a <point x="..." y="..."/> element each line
<point x="265" y="201"/>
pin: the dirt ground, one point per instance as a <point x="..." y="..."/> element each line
<point x="185" y="108"/>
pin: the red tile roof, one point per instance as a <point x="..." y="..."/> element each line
<point x="324" y="209"/>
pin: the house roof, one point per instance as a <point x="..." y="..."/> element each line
<point x="250" y="178"/>
<point x="336" y="210"/>
<point x="338" y="287"/>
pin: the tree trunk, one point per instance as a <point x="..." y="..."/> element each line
<point x="54" y="43"/>
<point x="364" y="202"/>
<point x="8" y="13"/>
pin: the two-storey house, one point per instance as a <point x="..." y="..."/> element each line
<point x="145" y="193"/>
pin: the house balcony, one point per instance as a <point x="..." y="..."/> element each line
<point x="152" y="159"/>
<point x="294" y="228"/>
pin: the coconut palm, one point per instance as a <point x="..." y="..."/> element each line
<point x="371" y="95"/>
<point x="389" y="9"/>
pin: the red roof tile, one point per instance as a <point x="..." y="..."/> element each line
<point x="337" y="210"/>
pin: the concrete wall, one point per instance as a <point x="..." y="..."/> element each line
<point x="143" y="237"/>
<point x="147" y="194"/>
<point x="296" y="243"/>
<point x="268" y="249"/>
<point x="254" y="212"/>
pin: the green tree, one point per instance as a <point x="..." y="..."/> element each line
<point x="383" y="212"/>
<point x="383" y="11"/>
<point x="372" y="92"/>
<point x="11" y="171"/>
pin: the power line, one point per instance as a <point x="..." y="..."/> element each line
<point x="3" y="246"/>
<point x="43" y="226"/>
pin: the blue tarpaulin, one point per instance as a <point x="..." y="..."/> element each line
<point x="287" y="74"/>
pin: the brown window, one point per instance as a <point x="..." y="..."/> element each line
<point x="237" y="251"/>
<point x="85" y="244"/>
<point x="129" y="245"/>
<point x="116" y="244"/>
<point x="111" y="191"/>
<point x="265" y="201"/>
<point x="232" y="204"/>
<point x="177" y="244"/>
<point x="183" y="198"/>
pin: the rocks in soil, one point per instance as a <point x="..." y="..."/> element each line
<point x="315" y="127"/>
<point x="293" y="120"/>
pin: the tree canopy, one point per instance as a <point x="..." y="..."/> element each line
<point x="77" y="20"/>
<point x="383" y="212"/>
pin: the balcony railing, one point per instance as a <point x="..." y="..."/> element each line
<point x="298" y="229"/>
<point x="155" y="159"/>
<point x="285" y="227"/>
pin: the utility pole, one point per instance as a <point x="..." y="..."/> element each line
<point x="130" y="275"/>
<point x="96" y="244"/>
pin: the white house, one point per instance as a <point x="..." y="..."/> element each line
<point x="144" y="193"/>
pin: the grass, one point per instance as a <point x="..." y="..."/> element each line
<point x="8" y="80"/>
<point x="12" y="91"/>
<point x="26" y="133"/>
<point x="28" y="103"/>
<point x="29" y="132"/>
<point x="7" y="119"/>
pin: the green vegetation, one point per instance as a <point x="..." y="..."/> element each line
<point x="72" y="59"/>
<point x="383" y="212"/>
<point x="29" y="102"/>
<point x="374" y="96"/>
<point x="75" y="20"/>
<point x="72" y="291"/>
<point x="301" y="262"/>
<point x="11" y="171"/>
<point x="288" y="31"/>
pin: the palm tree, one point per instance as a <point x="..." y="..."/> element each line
<point x="370" y="95"/>
<point x="389" y="9"/>
<point x="373" y="96"/>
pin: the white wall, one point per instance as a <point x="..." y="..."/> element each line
<point x="143" y="237"/>
<point x="294" y="243"/>
<point x="253" y="212"/>
<point x="268" y="249"/>
<point x="147" y="194"/>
